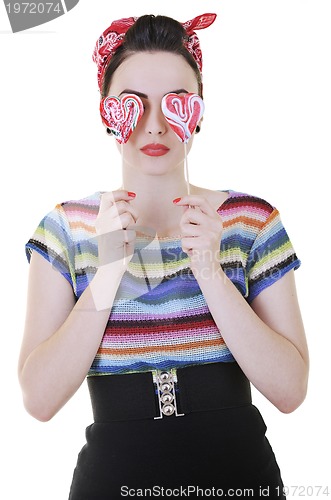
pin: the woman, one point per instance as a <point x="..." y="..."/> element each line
<point x="170" y="329"/>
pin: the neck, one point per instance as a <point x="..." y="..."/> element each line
<point x="154" y="198"/>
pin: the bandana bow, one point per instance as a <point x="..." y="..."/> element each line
<point x="114" y="35"/>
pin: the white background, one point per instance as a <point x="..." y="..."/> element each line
<point x="266" y="131"/>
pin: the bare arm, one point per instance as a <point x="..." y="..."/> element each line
<point x="267" y="339"/>
<point x="61" y="335"/>
<point x="60" y="340"/>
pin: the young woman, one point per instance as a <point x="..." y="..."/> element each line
<point x="171" y="304"/>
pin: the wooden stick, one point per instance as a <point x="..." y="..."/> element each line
<point x="122" y="157"/>
<point x="186" y="170"/>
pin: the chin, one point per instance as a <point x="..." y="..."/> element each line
<point x="159" y="165"/>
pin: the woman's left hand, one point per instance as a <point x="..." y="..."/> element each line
<point x="201" y="229"/>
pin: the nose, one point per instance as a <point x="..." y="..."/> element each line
<point x="155" y="122"/>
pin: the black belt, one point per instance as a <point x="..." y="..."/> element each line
<point x="159" y="393"/>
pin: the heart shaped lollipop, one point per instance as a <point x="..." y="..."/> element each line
<point x="121" y="115"/>
<point x="183" y="113"/>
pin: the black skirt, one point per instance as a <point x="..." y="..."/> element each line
<point x="218" y="448"/>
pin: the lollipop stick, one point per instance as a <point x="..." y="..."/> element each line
<point x="122" y="157"/>
<point x="186" y="170"/>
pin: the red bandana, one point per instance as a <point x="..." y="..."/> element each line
<point x="113" y="37"/>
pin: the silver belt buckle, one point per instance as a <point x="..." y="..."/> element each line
<point x="165" y="383"/>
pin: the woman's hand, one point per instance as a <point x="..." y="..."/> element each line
<point x="201" y="229"/>
<point x="114" y="223"/>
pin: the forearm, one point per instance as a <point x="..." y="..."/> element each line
<point x="56" y="368"/>
<point x="270" y="361"/>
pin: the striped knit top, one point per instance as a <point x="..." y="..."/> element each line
<point x="159" y="318"/>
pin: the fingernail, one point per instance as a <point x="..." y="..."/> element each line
<point x="131" y="194"/>
<point x="176" y="200"/>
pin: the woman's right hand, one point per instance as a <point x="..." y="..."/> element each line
<point x="115" y="228"/>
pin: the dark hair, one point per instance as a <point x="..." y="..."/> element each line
<point x="151" y="33"/>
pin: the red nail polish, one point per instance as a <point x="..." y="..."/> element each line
<point x="131" y="194"/>
<point x="176" y="200"/>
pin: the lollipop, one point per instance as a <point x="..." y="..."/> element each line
<point x="183" y="113"/>
<point x="121" y="115"/>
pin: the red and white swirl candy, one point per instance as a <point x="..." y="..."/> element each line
<point x="183" y="113"/>
<point x="121" y="115"/>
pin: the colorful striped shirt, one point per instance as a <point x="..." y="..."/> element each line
<point x="159" y="318"/>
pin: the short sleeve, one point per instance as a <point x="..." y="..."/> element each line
<point x="271" y="256"/>
<point x="52" y="239"/>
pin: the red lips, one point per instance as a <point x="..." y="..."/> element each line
<point x="154" y="149"/>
